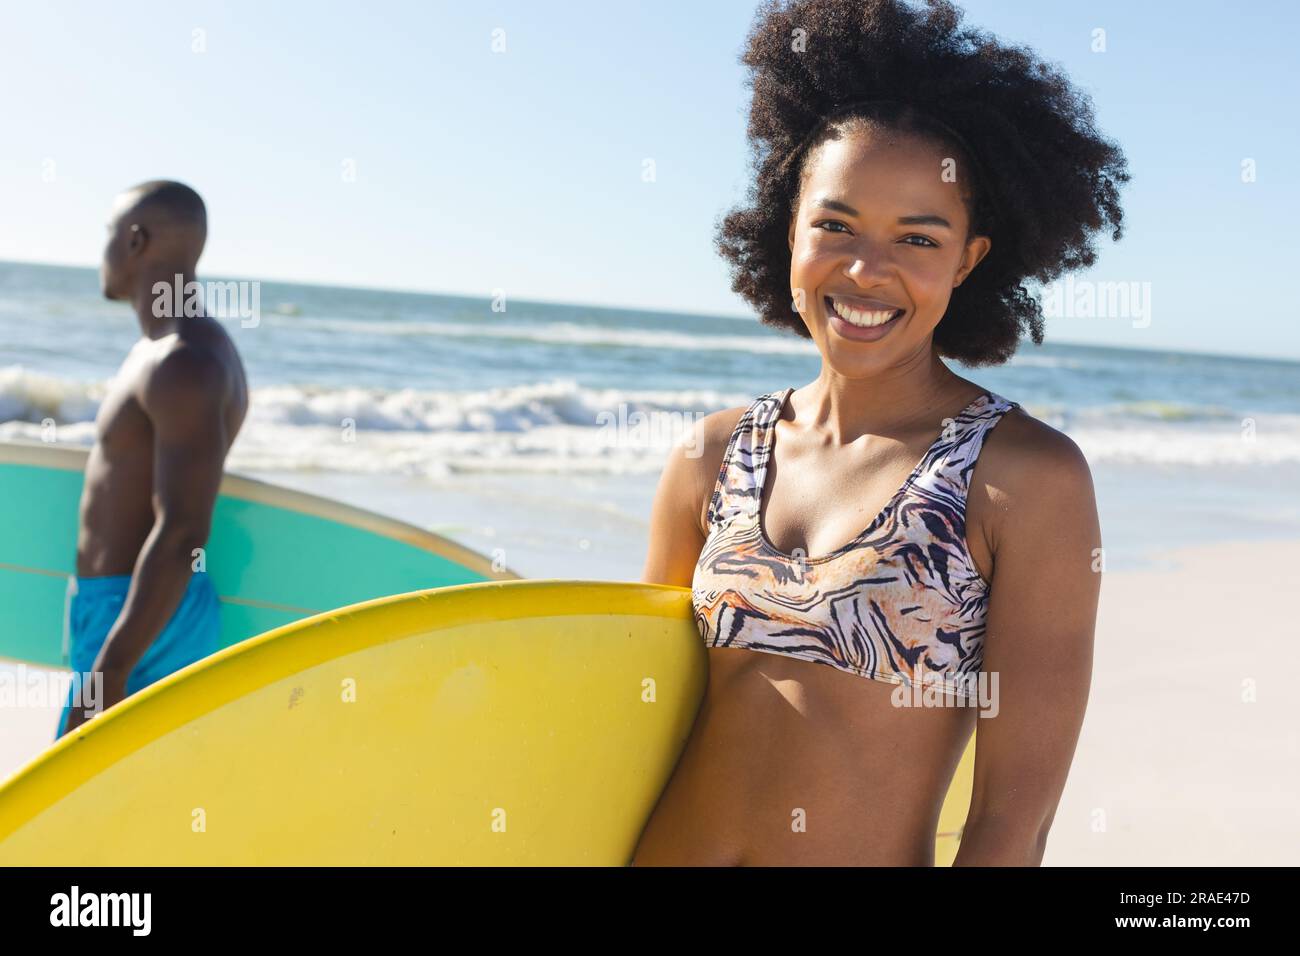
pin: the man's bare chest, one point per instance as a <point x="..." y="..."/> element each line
<point x="121" y="420"/>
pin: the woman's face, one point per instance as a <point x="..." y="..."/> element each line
<point x="877" y="245"/>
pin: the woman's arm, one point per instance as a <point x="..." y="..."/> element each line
<point x="678" y="516"/>
<point x="1042" y="613"/>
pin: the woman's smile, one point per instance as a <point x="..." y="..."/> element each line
<point x="862" y="320"/>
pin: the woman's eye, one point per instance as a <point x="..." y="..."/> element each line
<point x="829" y="222"/>
<point x="929" y="243"/>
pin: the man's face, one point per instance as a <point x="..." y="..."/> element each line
<point x="114" y="270"/>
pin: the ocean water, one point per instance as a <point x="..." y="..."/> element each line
<point x="541" y="429"/>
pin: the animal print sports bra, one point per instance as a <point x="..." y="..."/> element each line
<point x="902" y="602"/>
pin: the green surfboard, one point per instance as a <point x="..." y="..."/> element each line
<point x="274" y="555"/>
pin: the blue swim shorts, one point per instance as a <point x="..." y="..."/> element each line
<point x="193" y="632"/>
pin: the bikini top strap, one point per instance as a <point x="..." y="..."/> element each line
<point x="960" y="459"/>
<point x="744" y="465"/>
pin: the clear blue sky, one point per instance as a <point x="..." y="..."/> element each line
<point x="522" y="170"/>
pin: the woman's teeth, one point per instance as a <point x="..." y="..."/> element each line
<point x="863" y="318"/>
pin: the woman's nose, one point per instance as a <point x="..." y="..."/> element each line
<point x="868" y="264"/>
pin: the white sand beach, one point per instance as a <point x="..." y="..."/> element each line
<point x="1190" y="752"/>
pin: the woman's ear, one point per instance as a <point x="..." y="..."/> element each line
<point x="976" y="249"/>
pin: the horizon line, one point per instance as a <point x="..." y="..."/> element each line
<point x="1290" y="359"/>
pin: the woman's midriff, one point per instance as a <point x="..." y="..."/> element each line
<point x="797" y="763"/>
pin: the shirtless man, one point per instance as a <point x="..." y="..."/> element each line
<point x="142" y="605"/>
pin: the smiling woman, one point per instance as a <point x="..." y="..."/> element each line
<point x="1014" y="138"/>
<point x="909" y="177"/>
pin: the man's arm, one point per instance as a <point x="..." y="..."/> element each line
<point x="1041" y="620"/>
<point x="183" y="397"/>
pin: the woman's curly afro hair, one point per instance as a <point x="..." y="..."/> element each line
<point x="1045" y="180"/>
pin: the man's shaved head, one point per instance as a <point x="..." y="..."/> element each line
<point x="159" y="226"/>
<point x="171" y="200"/>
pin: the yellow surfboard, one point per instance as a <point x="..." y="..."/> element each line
<point x="503" y="723"/>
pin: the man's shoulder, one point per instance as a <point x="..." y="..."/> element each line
<point x="184" y="371"/>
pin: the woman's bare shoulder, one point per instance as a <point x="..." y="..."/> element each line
<point x="714" y="430"/>
<point x="679" y="515"/>
<point x="1020" y="442"/>
<point x="1027" y="464"/>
